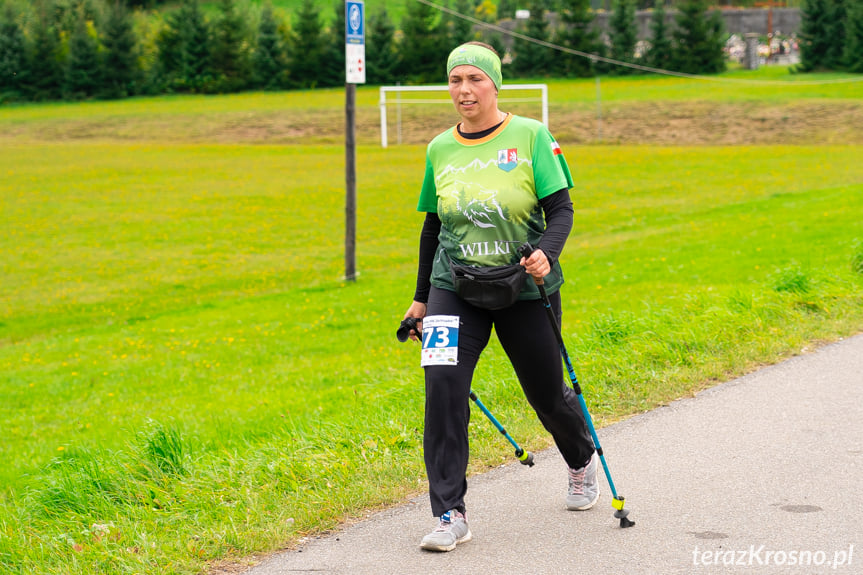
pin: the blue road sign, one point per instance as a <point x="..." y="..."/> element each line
<point x="354" y="27"/>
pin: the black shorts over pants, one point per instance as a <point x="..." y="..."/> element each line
<point x="530" y="343"/>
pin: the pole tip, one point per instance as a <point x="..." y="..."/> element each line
<point x="621" y="513"/>
<point x="524" y="457"/>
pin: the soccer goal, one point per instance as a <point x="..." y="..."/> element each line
<point x="409" y="95"/>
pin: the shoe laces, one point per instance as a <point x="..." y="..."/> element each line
<point x="576" y="481"/>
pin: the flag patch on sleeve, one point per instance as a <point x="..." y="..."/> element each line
<point x="555" y="148"/>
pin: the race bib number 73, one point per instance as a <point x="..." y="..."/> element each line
<point x="440" y="340"/>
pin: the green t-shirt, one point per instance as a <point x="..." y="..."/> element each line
<point x="486" y="193"/>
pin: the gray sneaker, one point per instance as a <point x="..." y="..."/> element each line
<point x="583" y="490"/>
<point x="451" y="531"/>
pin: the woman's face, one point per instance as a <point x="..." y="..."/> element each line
<point x="473" y="94"/>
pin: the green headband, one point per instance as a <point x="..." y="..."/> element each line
<point x="482" y="58"/>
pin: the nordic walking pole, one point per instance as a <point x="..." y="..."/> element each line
<point x="525" y="250"/>
<point x="524" y="457"/>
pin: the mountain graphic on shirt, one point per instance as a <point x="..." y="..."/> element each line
<point x="478" y="204"/>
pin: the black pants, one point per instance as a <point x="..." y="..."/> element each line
<point x="528" y="339"/>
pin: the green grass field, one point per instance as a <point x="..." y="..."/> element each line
<point x="774" y="107"/>
<point x="186" y="379"/>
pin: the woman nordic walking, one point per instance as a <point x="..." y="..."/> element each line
<point x="492" y="183"/>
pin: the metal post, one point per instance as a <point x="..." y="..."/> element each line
<point x="399" y="114"/>
<point x="383" y="105"/>
<point x="544" y="90"/>
<point x="598" y="110"/>
<point x="350" y="183"/>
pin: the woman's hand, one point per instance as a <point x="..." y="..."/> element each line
<point x="537" y="264"/>
<point x="417" y="310"/>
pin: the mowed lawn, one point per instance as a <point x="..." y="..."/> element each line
<point x="186" y="378"/>
<point x="766" y="106"/>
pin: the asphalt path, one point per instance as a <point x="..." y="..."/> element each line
<point x="763" y="474"/>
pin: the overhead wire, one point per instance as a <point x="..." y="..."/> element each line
<point x="598" y="58"/>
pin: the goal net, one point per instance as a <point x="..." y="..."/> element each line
<point x="419" y="124"/>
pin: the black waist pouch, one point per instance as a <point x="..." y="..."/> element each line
<point x="488" y="287"/>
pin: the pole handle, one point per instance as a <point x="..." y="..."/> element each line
<point x="524" y="250"/>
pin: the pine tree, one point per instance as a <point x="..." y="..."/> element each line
<point x="624" y="34"/>
<point x="269" y="64"/>
<point x="442" y="31"/>
<point x="814" y="43"/>
<point x="168" y="70"/>
<point x="836" y="26"/>
<point x="576" y="33"/>
<point x="506" y="9"/>
<point x="698" y="40"/>
<point x="421" y="54"/>
<point x="462" y="30"/>
<point x="184" y="50"/>
<point x="333" y="54"/>
<point x="119" y="64"/>
<point x="45" y="79"/>
<point x="660" y="52"/>
<point x="82" y="67"/>
<point x="13" y="55"/>
<point x="529" y="58"/>
<point x="854" y="37"/>
<point x="714" y="51"/>
<point x="195" y="42"/>
<point x="229" y="58"/>
<point x="305" y="46"/>
<point x="381" y="55"/>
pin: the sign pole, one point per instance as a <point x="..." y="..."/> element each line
<point x="350" y="183"/>
<point x="355" y="73"/>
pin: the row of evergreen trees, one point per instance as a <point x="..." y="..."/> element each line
<point x="693" y="44"/>
<point x="77" y="49"/>
<point x="831" y="35"/>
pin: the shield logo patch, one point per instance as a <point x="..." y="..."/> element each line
<point x="507" y="159"/>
